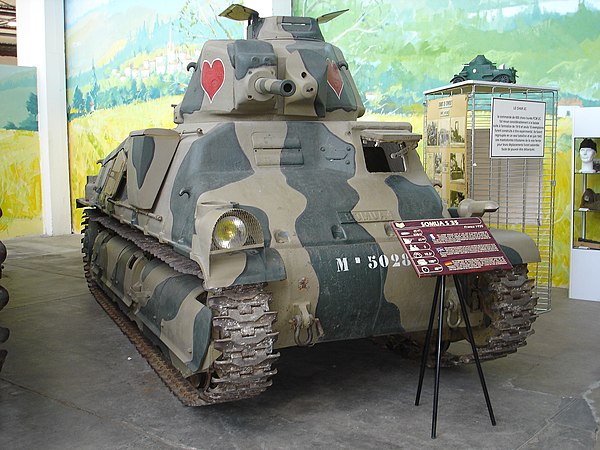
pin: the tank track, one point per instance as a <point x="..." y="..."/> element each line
<point x="148" y="244"/>
<point x="510" y="305"/>
<point x="241" y="317"/>
<point x="506" y="297"/>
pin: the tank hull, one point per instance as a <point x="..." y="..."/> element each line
<point x="331" y="265"/>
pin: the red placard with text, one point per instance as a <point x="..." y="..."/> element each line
<point x="450" y="246"/>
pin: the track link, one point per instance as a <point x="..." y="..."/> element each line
<point x="148" y="244"/>
<point x="242" y="325"/>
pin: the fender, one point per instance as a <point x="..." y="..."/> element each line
<point x="518" y="247"/>
<point x="253" y="263"/>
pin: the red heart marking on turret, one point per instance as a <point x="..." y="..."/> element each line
<point x="213" y="76"/>
<point x="334" y="78"/>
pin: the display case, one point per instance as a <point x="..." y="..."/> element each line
<point x="458" y="159"/>
<point x="584" y="283"/>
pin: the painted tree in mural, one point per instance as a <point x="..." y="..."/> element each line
<point x="77" y="106"/>
<point x="31" y="121"/>
<point x="32" y="105"/>
<point x="94" y="90"/>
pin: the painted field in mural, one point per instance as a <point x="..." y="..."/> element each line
<point x="20" y="182"/>
<point x="396" y="50"/>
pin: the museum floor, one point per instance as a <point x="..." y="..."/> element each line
<point x="72" y="380"/>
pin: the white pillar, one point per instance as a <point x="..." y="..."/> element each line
<point x="41" y="44"/>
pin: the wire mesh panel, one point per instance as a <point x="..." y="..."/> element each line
<point x="523" y="187"/>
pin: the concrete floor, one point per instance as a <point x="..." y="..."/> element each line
<point x="72" y="380"/>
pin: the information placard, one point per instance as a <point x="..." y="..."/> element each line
<point x="450" y="246"/>
<point x="518" y="128"/>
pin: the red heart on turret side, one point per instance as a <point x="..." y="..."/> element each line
<point x="212" y="77"/>
<point x="334" y="78"/>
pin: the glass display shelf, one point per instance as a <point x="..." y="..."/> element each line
<point x="584" y="283"/>
<point x="595" y="245"/>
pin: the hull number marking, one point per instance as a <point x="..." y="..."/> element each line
<point x="374" y="261"/>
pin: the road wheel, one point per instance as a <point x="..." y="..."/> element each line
<point x="502" y="79"/>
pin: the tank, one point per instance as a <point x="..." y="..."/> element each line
<point x="4" y="332"/>
<point x="262" y="222"/>
<point x="481" y="68"/>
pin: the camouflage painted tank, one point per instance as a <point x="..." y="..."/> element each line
<point x="262" y="222"/>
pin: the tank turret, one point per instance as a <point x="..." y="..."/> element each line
<point x="284" y="69"/>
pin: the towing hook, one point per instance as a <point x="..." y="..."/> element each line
<point x="452" y="308"/>
<point x="306" y="320"/>
<point x="297" y="324"/>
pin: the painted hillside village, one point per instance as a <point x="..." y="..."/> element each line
<point x="163" y="72"/>
<point x="170" y="62"/>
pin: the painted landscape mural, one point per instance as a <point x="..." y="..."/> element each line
<point x="126" y="64"/>
<point x="20" y="180"/>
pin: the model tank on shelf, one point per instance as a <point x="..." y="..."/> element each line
<point x="261" y="221"/>
<point x="481" y="68"/>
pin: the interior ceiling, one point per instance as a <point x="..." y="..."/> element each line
<point x="8" y="28"/>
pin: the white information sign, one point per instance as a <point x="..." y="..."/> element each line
<point x="518" y="129"/>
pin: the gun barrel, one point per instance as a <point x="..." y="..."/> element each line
<point x="285" y="88"/>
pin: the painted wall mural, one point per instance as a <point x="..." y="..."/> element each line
<point x="20" y="180"/>
<point x="129" y="78"/>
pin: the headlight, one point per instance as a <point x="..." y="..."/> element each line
<point x="230" y="232"/>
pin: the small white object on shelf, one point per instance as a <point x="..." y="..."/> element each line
<point x="587" y="153"/>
